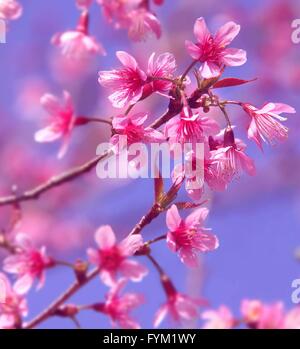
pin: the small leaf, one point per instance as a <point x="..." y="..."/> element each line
<point x="227" y="82"/>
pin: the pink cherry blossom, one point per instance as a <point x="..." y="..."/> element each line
<point x="83" y="4"/>
<point x="188" y="236"/>
<point x="190" y="127"/>
<point x="263" y="316"/>
<point x="161" y="67"/>
<point x="78" y="44"/>
<point x="118" y="307"/>
<point x="28" y="264"/>
<point x="292" y="319"/>
<point x="10" y="9"/>
<point x="132" y="126"/>
<point x="112" y="257"/>
<point x="221" y="318"/>
<point x="179" y="307"/>
<point x="264" y="125"/>
<point x="13" y="308"/>
<point x="62" y="120"/>
<point x="212" y="51"/>
<point x="143" y="23"/>
<point x="127" y="83"/>
<point x="234" y="159"/>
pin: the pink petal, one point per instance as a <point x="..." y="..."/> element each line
<point x="127" y="60"/>
<point x="23" y="241"/>
<point x="197" y="217"/>
<point x="200" y="30"/>
<point x="108" y="278"/>
<point x="171" y="242"/>
<point x="194" y="50"/>
<point x="133" y="270"/>
<point x="189" y="257"/>
<point x="276" y="108"/>
<point x="247" y="163"/>
<point x="47" y="134"/>
<point x="209" y="70"/>
<point x="160" y="315"/>
<point x="51" y="104"/>
<point x="254" y="134"/>
<point x="138" y="119"/>
<point x="131" y="244"/>
<point x="23" y="284"/>
<point x="173" y="219"/>
<point x="93" y="256"/>
<point x="105" y="237"/>
<point x="234" y="57"/>
<point x="227" y="33"/>
<point x="205" y="242"/>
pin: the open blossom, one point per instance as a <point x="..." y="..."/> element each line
<point x="62" y="120"/>
<point x="112" y="257"/>
<point x="132" y="126"/>
<point x="212" y="51"/>
<point x="13" y="307"/>
<point x="161" y="67"/>
<point x="190" y="128"/>
<point x="78" y="44"/>
<point x="179" y="307"/>
<point x="28" y="264"/>
<point x="118" y="307"/>
<point x="265" y="125"/>
<point x="221" y="318"/>
<point x="143" y="23"/>
<point x="127" y="83"/>
<point x="10" y="9"/>
<point x="188" y="236"/>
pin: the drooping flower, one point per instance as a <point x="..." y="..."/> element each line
<point x="62" y="120"/>
<point x="132" y="126"/>
<point x="179" y="307"/>
<point x="143" y="23"/>
<point x="188" y="236"/>
<point x="212" y="51"/>
<point x="78" y="44"/>
<point x="221" y="318"/>
<point x="118" y="307"/>
<point x="127" y="83"/>
<point x="112" y="257"/>
<point x="161" y="67"/>
<point x="265" y="125"/>
<point x="13" y="307"/>
<point x="10" y="9"/>
<point x="28" y="264"/>
<point x="234" y="159"/>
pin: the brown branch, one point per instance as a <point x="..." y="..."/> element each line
<point x="50" y="311"/>
<point x="53" y="182"/>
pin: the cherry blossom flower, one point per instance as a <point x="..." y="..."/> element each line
<point x="179" y="307"/>
<point x="143" y="23"/>
<point x="132" y="126"/>
<point x="190" y="128"/>
<point x="292" y="319"/>
<point x="10" y="9"/>
<point x="127" y="83"/>
<point x="112" y="257"/>
<point x="263" y="316"/>
<point x="83" y="4"/>
<point x="62" y="120"/>
<point x="118" y="307"/>
<point x="28" y="264"/>
<point x="188" y="236"/>
<point x="161" y="67"/>
<point x="13" y="308"/>
<point x="234" y="159"/>
<point x="221" y="318"/>
<point x="211" y="50"/>
<point x="78" y="44"/>
<point x="264" y="125"/>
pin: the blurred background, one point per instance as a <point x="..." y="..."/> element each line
<point x="257" y="219"/>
